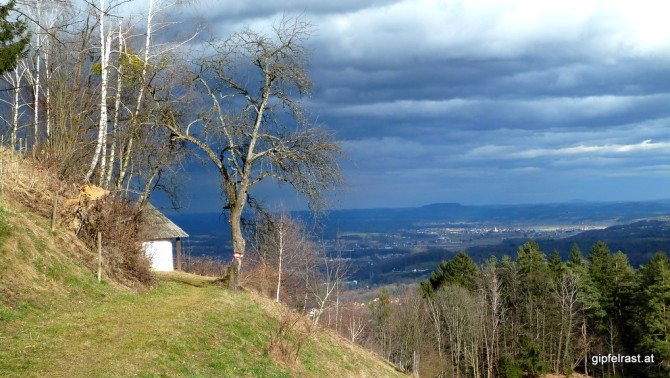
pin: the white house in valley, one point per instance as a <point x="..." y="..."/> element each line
<point x="158" y="245"/>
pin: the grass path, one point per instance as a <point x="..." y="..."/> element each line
<point x="171" y="330"/>
<point x="175" y="330"/>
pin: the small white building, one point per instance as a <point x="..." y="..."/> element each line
<point x="160" y="233"/>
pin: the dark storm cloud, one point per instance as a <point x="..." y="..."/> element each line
<point x="233" y="11"/>
<point x="464" y="100"/>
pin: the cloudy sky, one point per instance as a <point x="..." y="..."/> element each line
<point x="481" y="101"/>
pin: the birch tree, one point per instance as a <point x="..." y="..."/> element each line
<point x="325" y="281"/>
<point x="145" y="76"/>
<point x="492" y="293"/>
<point x="282" y="243"/>
<point x="102" y="10"/>
<point x="15" y="80"/>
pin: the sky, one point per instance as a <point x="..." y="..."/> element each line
<point x="479" y="102"/>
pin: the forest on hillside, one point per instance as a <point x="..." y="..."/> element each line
<point x="517" y="316"/>
<point x="531" y="315"/>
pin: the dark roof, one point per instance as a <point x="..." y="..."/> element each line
<point x="159" y="226"/>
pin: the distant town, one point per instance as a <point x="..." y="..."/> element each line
<point x="450" y="236"/>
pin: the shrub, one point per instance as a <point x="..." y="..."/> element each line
<point x="291" y="334"/>
<point x="204" y="266"/>
<point x="122" y="232"/>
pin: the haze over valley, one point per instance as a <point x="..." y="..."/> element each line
<point x="405" y="244"/>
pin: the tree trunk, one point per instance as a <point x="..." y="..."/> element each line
<point x="239" y="244"/>
<point x="15" y="106"/>
<point x="47" y="90"/>
<point x="281" y="252"/>
<point x="105" y="42"/>
<point x="36" y="82"/>
<point x="134" y="121"/>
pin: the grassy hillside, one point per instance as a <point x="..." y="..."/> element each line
<point x="56" y="319"/>
<point x="42" y="270"/>
<point x="174" y="330"/>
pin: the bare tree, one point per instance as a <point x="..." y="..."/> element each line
<point x="325" y="281"/>
<point x="494" y="312"/>
<point x="145" y="65"/>
<point x="256" y="128"/>
<point x="282" y="243"/>
<point x="15" y="80"/>
<point x="463" y="316"/>
<point x="356" y="321"/>
<point x="106" y="33"/>
<point x="568" y="289"/>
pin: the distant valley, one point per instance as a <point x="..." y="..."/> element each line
<point x="405" y="244"/>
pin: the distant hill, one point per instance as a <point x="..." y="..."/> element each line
<point x="571" y="213"/>
<point x="639" y="240"/>
<point x="210" y="234"/>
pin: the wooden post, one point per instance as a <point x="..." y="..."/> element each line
<point x="178" y="253"/>
<point x="99" y="256"/>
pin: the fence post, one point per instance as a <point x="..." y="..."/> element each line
<point x="99" y="256"/>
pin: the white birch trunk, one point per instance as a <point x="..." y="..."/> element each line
<point x="117" y="110"/>
<point x="105" y="41"/>
<point x="15" y="78"/>
<point x="15" y="109"/>
<point x="36" y="81"/>
<point x="140" y="95"/>
<point x="281" y="254"/>
<point x="47" y="91"/>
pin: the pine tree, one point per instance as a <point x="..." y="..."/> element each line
<point x="530" y="259"/>
<point x="599" y="264"/>
<point x="654" y="311"/>
<point x="556" y="266"/>
<point x="460" y="270"/>
<point x="613" y="279"/>
<point x="13" y="38"/>
<point x="575" y="258"/>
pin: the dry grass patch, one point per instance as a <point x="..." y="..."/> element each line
<point x="188" y="278"/>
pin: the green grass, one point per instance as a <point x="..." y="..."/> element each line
<point x="56" y="319"/>
<point x="174" y="330"/>
<point x="6" y="226"/>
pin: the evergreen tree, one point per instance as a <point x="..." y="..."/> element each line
<point x="622" y="285"/>
<point x="613" y="279"/>
<point x="599" y="265"/>
<point x="556" y="266"/>
<point x="530" y="358"/>
<point x="599" y="283"/>
<point x="654" y="308"/>
<point x="460" y="270"/>
<point x="530" y="259"/>
<point x="575" y="258"/>
<point x="621" y="301"/>
<point x="13" y="38"/>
